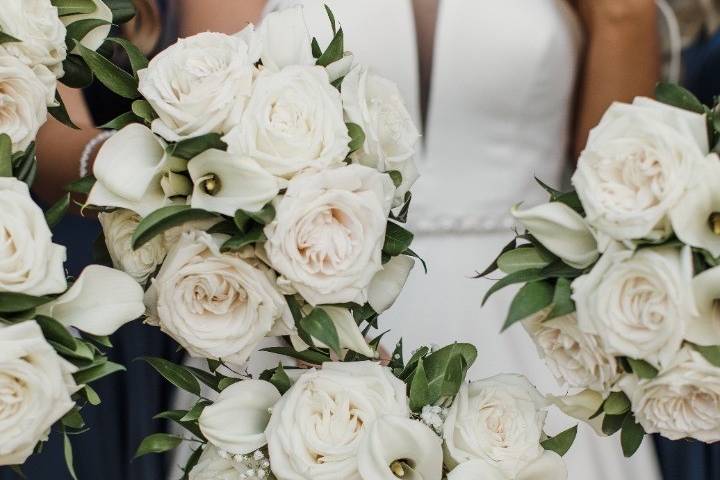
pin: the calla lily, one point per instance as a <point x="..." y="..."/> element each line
<point x="476" y="470"/>
<point x="236" y="422"/>
<point x="696" y="217"/>
<point x="389" y="282"/>
<point x="398" y="447"/>
<point x="95" y="37"/>
<point x="285" y="39"/>
<point x="562" y="231"/>
<point x="129" y="169"/>
<point x="704" y="329"/>
<point x="225" y="183"/>
<point x="548" y="466"/>
<point x="582" y="406"/>
<point x="340" y="68"/>
<point x="101" y="301"/>
<point x="350" y="336"/>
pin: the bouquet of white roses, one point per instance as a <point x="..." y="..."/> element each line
<point x="53" y="330"/>
<point x="621" y="275"/>
<point x="258" y="188"/>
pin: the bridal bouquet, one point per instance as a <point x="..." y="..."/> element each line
<point x="258" y="189"/>
<point x="621" y="276"/>
<point x="53" y="330"/>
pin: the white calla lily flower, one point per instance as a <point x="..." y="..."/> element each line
<point x="236" y="422"/>
<point x="561" y="230"/>
<point x="101" y="301"/>
<point x="548" y="466"/>
<point x="389" y="282"/>
<point x="95" y="37"/>
<point x="285" y="39"/>
<point x="225" y="183"/>
<point x="339" y="68"/>
<point x="582" y="406"/>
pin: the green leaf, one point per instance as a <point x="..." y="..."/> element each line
<point x="55" y="331"/>
<point x="96" y="373"/>
<point x="677" y="96"/>
<point x="76" y="31"/>
<point x="213" y="365"/>
<point x="18" y="302"/>
<point x="73" y="419"/>
<point x="110" y="75"/>
<point x="612" y="423"/>
<point x="192" y="147"/>
<point x="123" y="10"/>
<point x="60" y="113"/>
<point x="175" y="374"/>
<point x="121" y="122"/>
<point x="208" y="379"/>
<point x="6" y="169"/>
<point x="643" y="369"/>
<point x="559" y="269"/>
<point x="572" y="200"/>
<point x="334" y="51"/>
<point x="397" y="239"/>
<point x="192" y="461"/>
<point x="531" y="299"/>
<point x="412" y="363"/>
<point x="165" y="218"/>
<point x="239" y="242"/>
<point x="561" y="442"/>
<point x="73" y="7"/>
<point x="82" y="186"/>
<point x="7" y="38"/>
<point x="521" y="259"/>
<point x="280" y="380"/>
<point x="240" y="220"/>
<point x="102" y="340"/>
<point x="195" y="412"/>
<point x="711" y="354"/>
<point x="396" y="177"/>
<point x="142" y="109"/>
<point x="563" y="303"/>
<point x="158" y="443"/>
<point x="92" y="397"/>
<point x="441" y="368"/>
<point x="77" y="72"/>
<point x="264" y="216"/>
<point x="331" y="16"/>
<point x="524" y="276"/>
<point x="312" y="357"/>
<point x="419" y="388"/>
<point x="175" y="416"/>
<point x="617" y="403"/>
<point x="631" y="436"/>
<point x="138" y="60"/>
<point x="316" y="50"/>
<point x="320" y="326"/>
<point x="68" y="453"/>
<point x="55" y="214"/>
<point x="410" y="253"/>
<point x="357" y="136"/>
<point x="226" y="382"/>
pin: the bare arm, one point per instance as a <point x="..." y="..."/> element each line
<point x="227" y="16"/>
<point x="622" y="59"/>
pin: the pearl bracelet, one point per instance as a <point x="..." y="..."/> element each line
<point x="90" y="149"/>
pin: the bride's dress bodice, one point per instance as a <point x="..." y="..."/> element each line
<point x="500" y="103"/>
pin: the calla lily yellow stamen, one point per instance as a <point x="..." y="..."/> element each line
<point x="211" y="184"/>
<point x="714" y="222"/>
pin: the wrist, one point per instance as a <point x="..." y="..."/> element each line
<point x="621" y="14"/>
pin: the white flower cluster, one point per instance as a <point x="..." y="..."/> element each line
<point x="289" y="133"/>
<point x="645" y="245"/>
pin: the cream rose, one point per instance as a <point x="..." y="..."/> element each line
<point x="637" y="166"/>
<point x="119" y="227"/>
<point x="316" y="430"/>
<point x="499" y="420"/>
<point x="681" y="402"/>
<point x="575" y="358"/>
<point x="23" y="102"/>
<point x="327" y="237"/>
<point x="375" y="104"/>
<point x="199" y="85"/>
<point x="42" y="39"/>
<point x="29" y="262"/>
<point x="35" y="389"/>
<point x="638" y="303"/>
<point x="293" y="121"/>
<point x="215" y="305"/>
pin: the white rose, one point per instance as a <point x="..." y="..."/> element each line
<point x="376" y="105"/>
<point x="293" y="121"/>
<point x="681" y="402"/>
<point x="637" y="166"/>
<point x="575" y="358"/>
<point x="237" y="420"/>
<point x="639" y="303"/>
<point x="29" y="262"/>
<point x="327" y="237"/>
<point x="214" y="464"/>
<point x="499" y="420"/>
<point x="398" y="447"/>
<point x="119" y="227"/>
<point x="35" y="389"/>
<point x="316" y="429"/>
<point x="550" y="466"/>
<point x="23" y="102"/>
<point x="285" y="39"/>
<point x="199" y="85"/>
<point x="42" y="38"/>
<point x="130" y="167"/>
<point x="215" y="305"/>
<point x="95" y="37"/>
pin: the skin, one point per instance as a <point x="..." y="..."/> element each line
<point x="621" y="61"/>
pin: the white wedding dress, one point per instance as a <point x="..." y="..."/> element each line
<point x="501" y="101"/>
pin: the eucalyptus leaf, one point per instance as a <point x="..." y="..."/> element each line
<point x="142" y="109"/>
<point x="563" y="303"/>
<point x="396" y="177"/>
<point x="55" y="214"/>
<point x="643" y="369"/>
<point x="631" y="436"/>
<point x="439" y="363"/>
<point x="357" y="136"/>
<point x="419" y="388"/>
<point x="494" y="265"/>
<point x="561" y="442"/>
<point x="264" y="216"/>
<point x="11" y="302"/>
<point x="6" y="166"/>
<point x="55" y="331"/>
<point x="241" y="219"/>
<point x="110" y="75"/>
<point x="320" y="326"/>
<point x="612" y="423"/>
<point x="397" y="239"/>
<point x="68" y="454"/>
<point x="617" y="403"/>
<point x="711" y="354"/>
<point x="532" y="298"/>
<point x="178" y="375"/>
<point x="165" y="218"/>
<point x="158" y="443"/>
<point x="677" y="96"/>
<point x="192" y="147"/>
<point x="241" y="241"/>
<point x="96" y="373"/>
<point x="522" y="259"/>
<point x="73" y="419"/>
